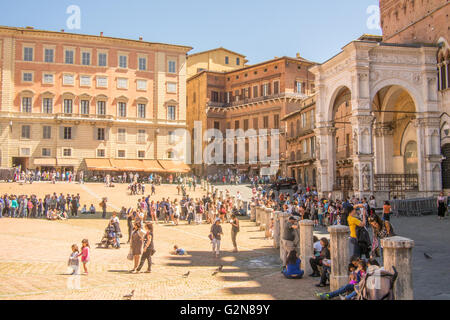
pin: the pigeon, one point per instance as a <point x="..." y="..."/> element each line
<point x="214" y="273"/>
<point x="186" y="274"/>
<point x="427" y="255"/>
<point x="128" y="296"/>
<point x="220" y="268"/>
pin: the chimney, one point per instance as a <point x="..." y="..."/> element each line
<point x="140" y="38"/>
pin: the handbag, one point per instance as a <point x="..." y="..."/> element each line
<point x="130" y="255"/>
<point x="211" y="237"/>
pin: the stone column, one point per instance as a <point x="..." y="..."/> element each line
<point x="259" y="210"/>
<point x="397" y="252"/>
<point x="306" y="244"/>
<point x="252" y="212"/>
<point x="326" y="157"/>
<point x="282" y="219"/>
<point x="268" y="217"/>
<point x="339" y="238"/>
<point x="276" y="229"/>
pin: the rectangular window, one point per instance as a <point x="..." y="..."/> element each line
<point x="47" y="105"/>
<point x="227" y="60"/>
<point x="121" y="153"/>
<point x="171" y="115"/>
<point x="46" y="152"/>
<point x="102" y="59"/>
<point x="172" y="67"/>
<point x="122" y="109"/>
<point x="141" y="136"/>
<point x="25" y="152"/>
<point x="142" y="64"/>
<point x="255" y="92"/>
<point x="49" y="55"/>
<point x="276" y="87"/>
<point x="238" y="61"/>
<point x="85" y="81"/>
<point x="100" y="133"/>
<point x="171" y="87"/>
<point x="298" y="86"/>
<point x="236" y="124"/>
<point x="27" y="76"/>
<point x="266" y="122"/>
<point x="101" y="108"/>
<point x="69" y="56"/>
<point x="100" y="153"/>
<point x="121" y="135"/>
<point x="102" y="82"/>
<point x="28" y="54"/>
<point x="67" y="134"/>
<point x="265" y="90"/>
<point x="47" y="132"/>
<point x="217" y="125"/>
<point x="68" y="79"/>
<point x="123" y="61"/>
<point x="26" y="104"/>
<point x="26" y="132"/>
<point x="84" y="107"/>
<point x="67" y="152"/>
<point x="86" y="58"/>
<point x="122" y="83"/>
<point x="245" y="124"/>
<point x="68" y="106"/>
<point x="276" y="121"/>
<point x="141" y="154"/>
<point x="48" y="78"/>
<point x="214" y="96"/>
<point x="141" y="110"/>
<point x="141" y="84"/>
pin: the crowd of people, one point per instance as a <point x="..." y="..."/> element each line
<point x="52" y="206"/>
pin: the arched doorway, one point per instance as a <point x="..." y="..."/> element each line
<point x="395" y="142"/>
<point x="342" y="112"/>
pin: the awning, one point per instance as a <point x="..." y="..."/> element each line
<point x="99" y="164"/>
<point x="174" y="166"/>
<point x="127" y="165"/>
<point x="45" y="162"/>
<point x="152" y="166"/>
<point x="67" y="162"/>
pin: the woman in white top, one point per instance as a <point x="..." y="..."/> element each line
<point x="177" y="211"/>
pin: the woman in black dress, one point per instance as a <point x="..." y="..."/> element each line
<point x="136" y="244"/>
<point x="149" y="248"/>
<point x="442" y="205"/>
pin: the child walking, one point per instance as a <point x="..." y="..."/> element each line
<point x="73" y="260"/>
<point x="85" y="254"/>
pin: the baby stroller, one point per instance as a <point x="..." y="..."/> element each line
<point x="109" y="238"/>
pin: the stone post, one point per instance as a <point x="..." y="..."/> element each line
<point x="397" y="252"/>
<point x="252" y="212"/>
<point x="262" y="219"/>
<point x="268" y="217"/>
<point x="276" y="229"/>
<point x="306" y="244"/>
<point x="339" y="238"/>
<point x="258" y="214"/>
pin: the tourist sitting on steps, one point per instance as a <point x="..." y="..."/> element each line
<point x="292" y="270"/>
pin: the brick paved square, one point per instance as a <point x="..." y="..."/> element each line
<point x="34" y="254"/>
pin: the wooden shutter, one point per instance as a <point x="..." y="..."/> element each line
<point x="94" y="133"/>
<point x="269" y="89"/>
<point x="61" y="132"/>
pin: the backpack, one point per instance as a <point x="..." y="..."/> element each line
<point x="363" y="239"/>
<point x="377" y="285"/>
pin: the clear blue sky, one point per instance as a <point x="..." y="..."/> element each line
<point x="259" y="29"/>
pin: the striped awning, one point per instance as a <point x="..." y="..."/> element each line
<point x="172" y="166"/>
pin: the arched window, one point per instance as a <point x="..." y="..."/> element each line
<point x="411" y="161"/>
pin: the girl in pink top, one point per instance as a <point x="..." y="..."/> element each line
<point x="85" y="254"/>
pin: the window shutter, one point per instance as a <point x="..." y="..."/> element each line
<point x="74" y="133"/>
<point x="262" y="91"/>
<point x="269" y="89"/>
<point x="94" y="132"/>
<point x="61" y="132"/>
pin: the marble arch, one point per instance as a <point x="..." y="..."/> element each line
<point x="366" y="68"/>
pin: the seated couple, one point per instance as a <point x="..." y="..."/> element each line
<point x="292" y="269"/>
<point x="55" y="215"/>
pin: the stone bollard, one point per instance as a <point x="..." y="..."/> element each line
<point x="339" y="238"/>
<point x="252" y="212"/>
<point x="276" y="229"/>
<point x="262" y="219"/>
<point x="259" y="210"/>
<point x="306" y="244"/>
<point x="268" y="217"/>
<point x="397" y="252"/>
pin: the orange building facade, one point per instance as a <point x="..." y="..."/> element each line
<point x="70" y="97"/>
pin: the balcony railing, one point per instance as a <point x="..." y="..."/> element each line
<point x="245" y="101"/>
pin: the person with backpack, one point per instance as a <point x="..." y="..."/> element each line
<point x="377" y="283"/>
<point x="353" y="223"/>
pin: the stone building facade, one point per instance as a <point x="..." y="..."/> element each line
<point x="70" y="97"/>
<point x="254" y="97"/>
<point x="301" y="143"/>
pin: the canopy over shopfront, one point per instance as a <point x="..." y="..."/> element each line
<point x="124" y="165"/>
<point x="174" y="166"/>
